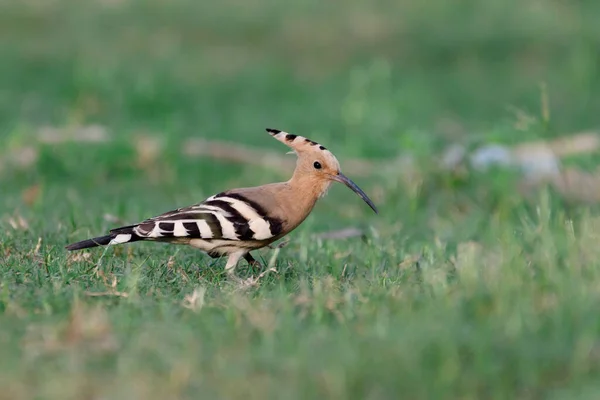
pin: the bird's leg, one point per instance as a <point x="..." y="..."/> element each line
<point x="252" y="262"/>
<point x="232" y="261"/>
<point x="230" y="268"/>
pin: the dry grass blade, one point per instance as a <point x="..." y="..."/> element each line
<point x="112" y="288"/>
<point x="409" y="261"/>
<point x="195" y="301"/>
<point x="38" y="246"/>
<point x="18" y="223"/>
<point x="79" y="257"/>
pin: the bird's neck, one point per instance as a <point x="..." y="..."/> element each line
<point x="308" y="186"/>
<point x="305" y="190"/>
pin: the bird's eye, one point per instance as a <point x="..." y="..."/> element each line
<point x="317" y="165"/>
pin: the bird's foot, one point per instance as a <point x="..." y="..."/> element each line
<point x="252" y="281"/>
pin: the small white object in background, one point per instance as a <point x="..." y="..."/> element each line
<point x="536" y="163"/>
<point x="490" y="155"/>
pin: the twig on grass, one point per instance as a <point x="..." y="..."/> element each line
<point x="241" y="154"/>
<point x="341" y="234"/>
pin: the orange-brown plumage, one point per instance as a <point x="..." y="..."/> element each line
<point x="237" y="221"/>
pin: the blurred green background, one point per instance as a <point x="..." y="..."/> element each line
<point x="168" y="65"/>
<point x="463" y="287"/>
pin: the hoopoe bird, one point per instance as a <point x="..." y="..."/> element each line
<point x="237" y="221"/>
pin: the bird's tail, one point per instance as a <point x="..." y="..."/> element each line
<point x="116" y="236"/>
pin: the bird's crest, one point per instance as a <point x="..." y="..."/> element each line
<point x="297" y="143"/>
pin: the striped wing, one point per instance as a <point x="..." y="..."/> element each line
<point x="225" y="216"/>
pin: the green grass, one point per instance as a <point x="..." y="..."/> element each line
<point x="461" y="288"/>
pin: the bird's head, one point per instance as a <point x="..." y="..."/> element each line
<point x="316" y="165"/>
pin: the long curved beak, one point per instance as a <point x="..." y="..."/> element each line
<point x="348" y="182"/>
